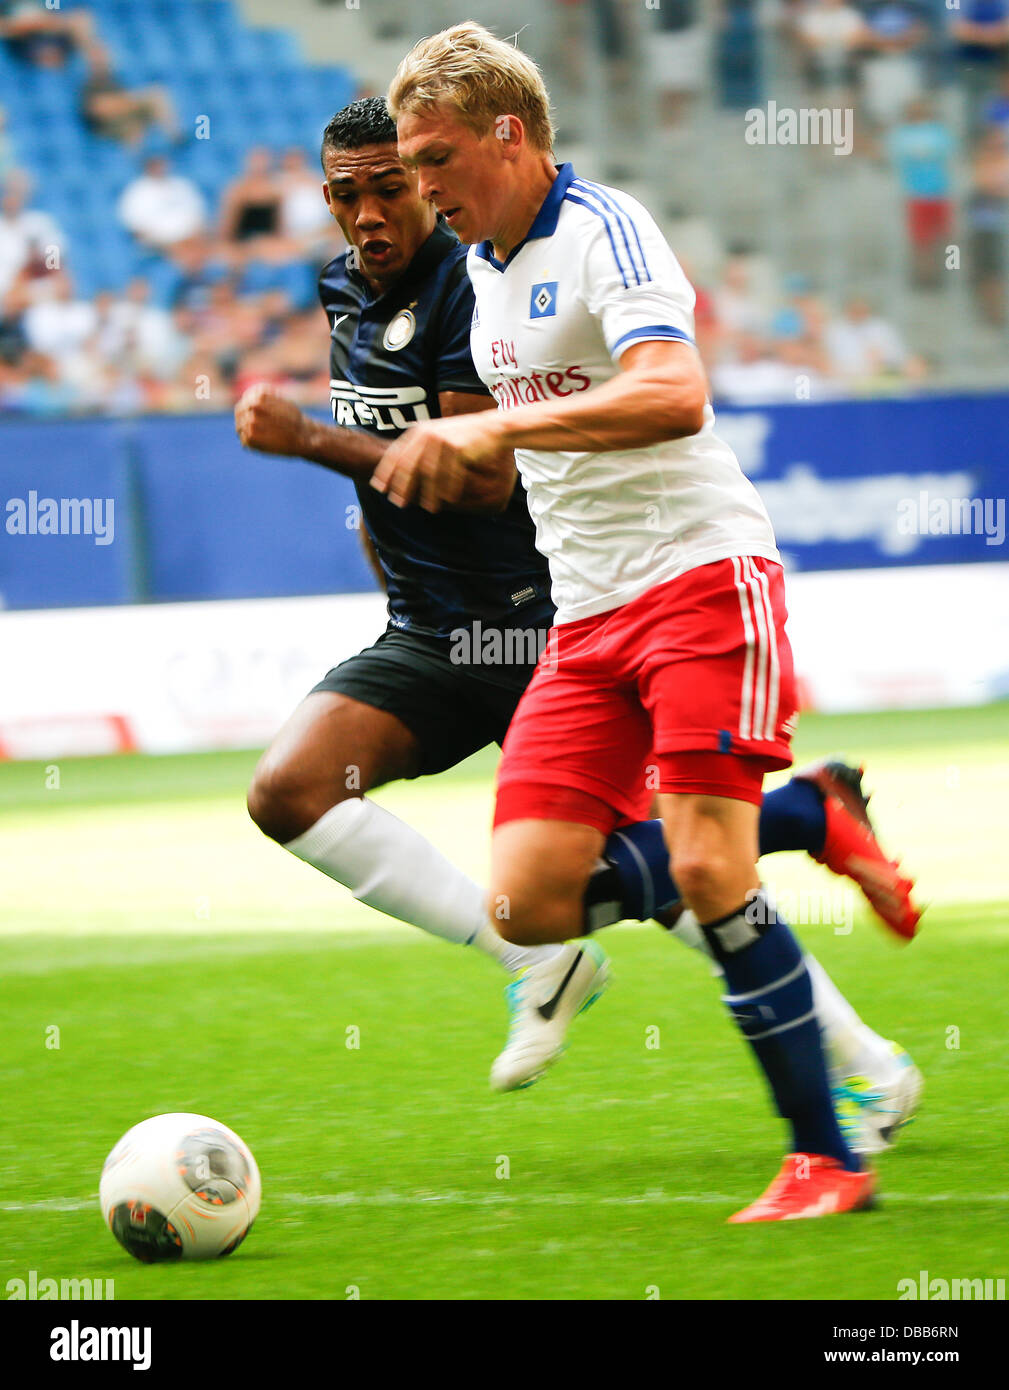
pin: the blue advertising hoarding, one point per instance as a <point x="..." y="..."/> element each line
<point x="107" y="511"/>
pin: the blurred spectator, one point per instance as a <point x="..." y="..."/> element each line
<point x="27" y="236"/>
<point x="737" y="307"/>
<point x="251" y="207"/>
<point x="224" y="326"/>
<point x="890" y="72"/>
<point x="706" y="333"/>
<point x="996" y="110"/>
<point x="12" y="334"/>
<point x="598" y="23"/>
<point x="6" y="148"/>
<point x="922" y="150"/>
<point x="56" y="324"/>
<point x="797" y="332"/>
<point x="829" y="32"/>
<point x="293" y="362"/>
<point x="862" y="346"/>
<point x="136" y="335"/>
<point x="980" y="31"/>
<point x="809" y="367"/>
<point x="161" y="208"/>
<point x="988" y="223"/>
<point x="200" y="385"/>
<point x="35" y="386"/>
<point x="38" y="34"/>
<point x="805" y="311"/>
<point x="754" y="375"/>
<point x="304" y="213"/>
<point x="679" y="52"/>
<point x="185" y="278"/>
<point x="111" y="109"/>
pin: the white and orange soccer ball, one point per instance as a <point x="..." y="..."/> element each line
<point x="180" y="1187"/>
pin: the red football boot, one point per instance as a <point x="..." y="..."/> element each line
<point x="810" y="1185"/>
<point x="851" y="849"/>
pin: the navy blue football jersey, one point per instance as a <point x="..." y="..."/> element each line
<point x="390" y="356"/>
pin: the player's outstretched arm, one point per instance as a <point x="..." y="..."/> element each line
<point x="271" y="424"/>
<point x="659" y="393"/>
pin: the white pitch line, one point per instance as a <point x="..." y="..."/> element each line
<point x="547" y="1199"/>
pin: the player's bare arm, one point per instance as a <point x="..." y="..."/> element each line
<point x="659" y="394"/>
<point x="269" y="423"/>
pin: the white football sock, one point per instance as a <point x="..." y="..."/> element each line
<point x="852" y="1048"/>
<point x="851" y="1045"/>
<point x="394" y="869"/>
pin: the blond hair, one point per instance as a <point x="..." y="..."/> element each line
<point x="482" y="77"/>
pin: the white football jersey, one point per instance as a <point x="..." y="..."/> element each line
<point x="594" y="275"/>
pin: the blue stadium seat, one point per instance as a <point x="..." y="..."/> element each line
<point x="266" y="49"/>
<point x="163" y="278"/>
<point x="295" y="278"/>
<point x="220" y="13"/>
<point x="118" y="11"/>
<point x="145" y="43"/>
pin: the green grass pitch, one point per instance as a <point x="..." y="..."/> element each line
<point x="189" y="964"/>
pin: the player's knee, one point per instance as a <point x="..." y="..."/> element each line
<point x="699" y="875"/>
<point x="530" y="920"/>
<point x="284" y="802"/>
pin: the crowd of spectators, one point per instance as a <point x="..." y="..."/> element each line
<point x="224" y="293"/>
<point x="765" y="342"/>
<point x="929" y="86"/>
<point x="113" y="109"/>
<point x="227" y="298"/>
<point x="230" y="299"/>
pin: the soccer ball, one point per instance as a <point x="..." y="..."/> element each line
<point x="180" y="1187"/>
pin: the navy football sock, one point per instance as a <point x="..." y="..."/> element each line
<point x="633" y="881"/>
<point x="792" y="817"/>
<point x="770" y="994"/>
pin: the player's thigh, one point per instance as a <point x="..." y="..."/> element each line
<point x="572" y="768"/>
<point x="539" y="872"/>
<point x="415" y="679"/>
<point x="716" y="673"/>
<point x="577" y="750"/>
<point x="343" y="743"/>
<point x="332" y="747"/>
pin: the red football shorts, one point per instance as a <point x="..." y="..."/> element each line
<point x="688" y="688"/>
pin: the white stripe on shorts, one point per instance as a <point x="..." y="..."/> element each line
<point x="745" y="696"/>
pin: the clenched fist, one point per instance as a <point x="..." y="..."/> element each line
<point x="270" y="422"/>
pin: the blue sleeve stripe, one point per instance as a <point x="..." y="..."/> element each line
<point x="611" y="213"/>
<point x="571" y="198"/>
<point x="653" y="331"/>
<point x="622" y="216"/>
